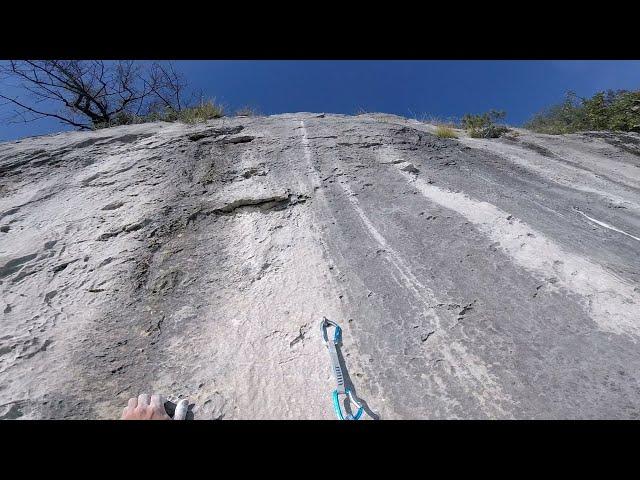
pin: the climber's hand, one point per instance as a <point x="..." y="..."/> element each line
<point x="145" y="408"/>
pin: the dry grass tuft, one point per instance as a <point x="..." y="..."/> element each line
<point x="443" y="131"/>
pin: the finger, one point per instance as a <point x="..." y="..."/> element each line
<point x="133" y="402"/>
<point x="143" y="400"/>
<point x="181" y="410"/>
<point x="157" y="402"/>
<point x="124" y="413"/>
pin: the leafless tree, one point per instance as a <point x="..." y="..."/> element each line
<point x="90" y="93"/>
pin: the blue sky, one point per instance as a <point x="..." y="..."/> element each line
<point x="409" y="88"/>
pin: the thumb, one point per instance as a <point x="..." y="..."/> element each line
<point x="181" y="410"/>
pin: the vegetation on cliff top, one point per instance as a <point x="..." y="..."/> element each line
<point x="615" y="110"/>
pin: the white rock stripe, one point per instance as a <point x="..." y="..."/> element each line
<point x="606" y="225"/>
<point x="555" y="171"/>
<point x="470" y="370"/>
<point x="610" y="301"/>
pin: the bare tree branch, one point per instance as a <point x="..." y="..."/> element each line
<point x="88" y="94"/>
<point x="45" y="114"/>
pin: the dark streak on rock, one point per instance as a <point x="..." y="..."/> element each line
<point x="14" y="265"/>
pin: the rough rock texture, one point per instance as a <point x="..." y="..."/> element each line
<point x="472" y="278"/>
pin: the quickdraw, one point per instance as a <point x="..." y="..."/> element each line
<point x="337" y="370"/>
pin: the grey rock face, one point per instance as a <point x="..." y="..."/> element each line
<point x="473" y="278"/>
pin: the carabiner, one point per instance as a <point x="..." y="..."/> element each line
<point x="337" y="336"/>
<point x="337" y="371"/>
<point x="338" y="409"/>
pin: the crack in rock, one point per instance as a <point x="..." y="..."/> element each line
<point x="132" y="227"/>
<point x="466" y="309"/>
<point x="271" y="202"/>
<point x="425" y="337"/>
<point x="238" y="139"/>
<point x="410" y="168"/>
<point x="302" y="332"/>
<point x="215" y="132"/>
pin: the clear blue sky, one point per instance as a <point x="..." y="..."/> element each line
<point x="440" y="88"/>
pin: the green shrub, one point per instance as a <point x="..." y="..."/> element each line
<point x="451" y="122"/>
<point x="443" y="131"/>
<point x="248" y="111"/>
<point x="168" y="115"/>
<point x="121" y="118"/>
<point x="617" y="110"/>
<point x="483" y="125"/>
<point x="205" y="110"/>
